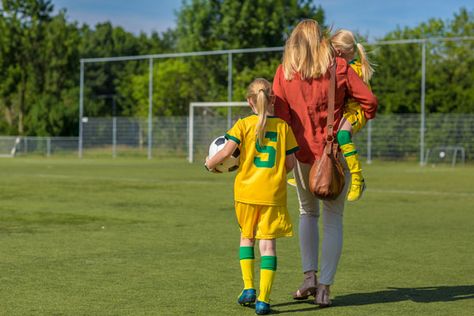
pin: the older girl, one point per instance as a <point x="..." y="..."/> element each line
<point x="267" y="145"/>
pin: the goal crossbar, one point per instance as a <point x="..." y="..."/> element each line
<point x="193" y="105"/>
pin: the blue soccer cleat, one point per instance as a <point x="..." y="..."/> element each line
<point x="262" y="308"/>
<point x="247" y="297"/>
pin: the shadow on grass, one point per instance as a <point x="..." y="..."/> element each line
<point x="418" y="294"/>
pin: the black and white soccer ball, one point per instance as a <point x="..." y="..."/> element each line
<point x="229" y="164"/>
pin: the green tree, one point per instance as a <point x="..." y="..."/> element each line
<point x="23" y="31"/>
<point x="52" y="111"/>
<point x="39" y="60"/>
<point x="205" y="25"/>
<point x="40" y="52"/>
<point x="449" y="75"/>
<point x="174" y="84"/>
<point x="111" y="80"/>
<point x="225" y="24"/>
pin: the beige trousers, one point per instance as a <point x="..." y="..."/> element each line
<point x="332" y="212"/>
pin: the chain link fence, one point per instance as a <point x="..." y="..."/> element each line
<point x="388" y="137"/>
<point x="123" y="136"/>
<point x="397" y="136"/>
<point x="11" y="146"/>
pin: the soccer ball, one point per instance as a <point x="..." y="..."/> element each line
<point x="229" y="164"/>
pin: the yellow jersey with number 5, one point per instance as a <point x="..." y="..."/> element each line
<point x="261" y="177"/>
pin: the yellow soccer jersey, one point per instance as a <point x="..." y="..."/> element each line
<point x="261" y="177"/>
<point x="357" y="67"/>
<point x="352" y="106"/>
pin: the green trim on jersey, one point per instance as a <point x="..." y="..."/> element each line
<point x="271" y="136"/>
<point x="235" y="139"/>
<point x="293" y="150"/>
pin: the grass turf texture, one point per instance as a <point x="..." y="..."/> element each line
<point x="138" y="237"/>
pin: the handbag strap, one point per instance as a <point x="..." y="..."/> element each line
<point x="331" y="100"/>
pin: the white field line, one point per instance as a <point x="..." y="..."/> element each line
<point x="72" y="177"/>
<point x="419" y="192"/>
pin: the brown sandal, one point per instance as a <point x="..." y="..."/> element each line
<point x="322" y="297"/>
<point x="307" y="288"/>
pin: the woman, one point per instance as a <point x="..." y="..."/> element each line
<point x="301" y="86"/>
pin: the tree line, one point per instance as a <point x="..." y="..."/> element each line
<point x="40" y="52"/>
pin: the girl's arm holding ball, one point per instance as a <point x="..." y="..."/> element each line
<point x="229" y="147"/>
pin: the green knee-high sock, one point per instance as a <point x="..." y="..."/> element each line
<point x="247" y="259"/>
<point x="349" y="151"/>
<point x="268" y="266"/>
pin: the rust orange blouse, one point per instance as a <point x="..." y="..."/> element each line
<point x="303" y="105"/>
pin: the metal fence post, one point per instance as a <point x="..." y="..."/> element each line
<point x="114" y="137"/>
<point x="229" y="90"/>
<point x="81" y="108"/>
<point x="191" y="133"/>
<point x="423" y="87"/>
<point x="150" y="108"/>
<point x="48" y="146"/>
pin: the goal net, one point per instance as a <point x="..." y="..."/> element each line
<point x="8" y="146"/>
<point x="207" y="121"/>
<point x="445" y="155"/>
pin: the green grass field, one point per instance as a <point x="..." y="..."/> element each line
<point x="138" y="237"/>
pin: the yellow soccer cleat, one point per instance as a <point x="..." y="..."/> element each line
<point x="292" y="182"/>
<point x="357" y="187"/>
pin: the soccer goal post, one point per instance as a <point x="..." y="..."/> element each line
<point x="8" y="146"/>
<point x="208" y="120"/>
<point x="445" y="155"/>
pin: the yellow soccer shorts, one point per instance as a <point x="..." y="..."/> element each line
<point x="263" y="221"/>
<point x="356" y="117"/>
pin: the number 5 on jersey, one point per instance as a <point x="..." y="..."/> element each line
<point x="270" y="150"/>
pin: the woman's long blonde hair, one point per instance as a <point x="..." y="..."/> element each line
<point x="259" y="93"/>
<point x="307" y="51"/>
<point x="345" y="43"/>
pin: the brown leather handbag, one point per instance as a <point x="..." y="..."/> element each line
<point x="326" y="178"/>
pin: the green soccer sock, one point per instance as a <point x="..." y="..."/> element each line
<point x="349" y="151"/>
<point x="344" y="137"/>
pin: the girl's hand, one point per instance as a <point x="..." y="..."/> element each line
<point x="209" y="169"/>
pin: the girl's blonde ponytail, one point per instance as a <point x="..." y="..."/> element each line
<point x="345" y="45"/>
<point x="261" y="107"/>
<point x="259" y="93"/>
<point x="367" y="70"/>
